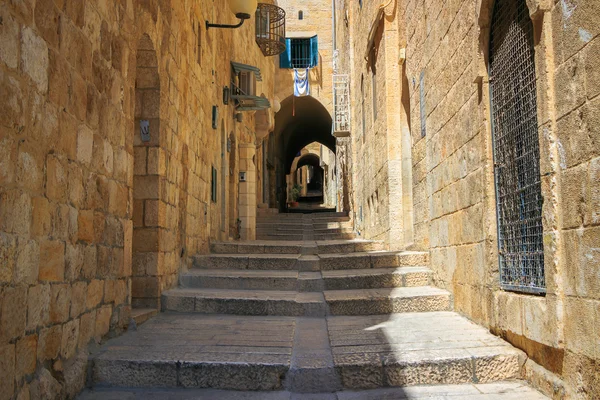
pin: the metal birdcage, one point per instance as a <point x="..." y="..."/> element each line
<point x="516" y="148"/>
<point x="270" y="29"/>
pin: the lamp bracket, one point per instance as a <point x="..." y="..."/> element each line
<point x="242" y="17"/>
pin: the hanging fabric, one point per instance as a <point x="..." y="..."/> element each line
<point x="301" y="85"/>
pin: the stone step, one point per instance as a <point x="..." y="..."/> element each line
<point x="300" y="247"/>
<point x="374" y="259"/>
<point x="376" y="278"/>
<point x="299" y="354"/>
<point x="244" y="302"/>
<point x="310" y="304"/>
<point x="305" y="281"/>
<point x="310" y="236"/>
<point x="333" y="261"/>
<point x="141" y="315"/>
<point x="296" y="231"/>
<point x="388" y="300"/>
<point x="241" y="279"/>
<point x="301" y="226"/>
<point x="507" y="390"/>
<point x="320" y="215"/>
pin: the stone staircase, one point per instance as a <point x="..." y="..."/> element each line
<point x="297" y="227"/>
<point x="306" y="316"/>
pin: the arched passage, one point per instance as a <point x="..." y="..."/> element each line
<point x="314" y="176"/>
<point x="301" y="121"/>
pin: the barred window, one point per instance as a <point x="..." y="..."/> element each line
<point x="516" y="148"/>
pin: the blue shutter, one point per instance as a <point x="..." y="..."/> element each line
<point x="285" y="58"/>
<point x="314" y="52"/>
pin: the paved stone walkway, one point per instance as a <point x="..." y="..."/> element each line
<point x="308" y="313"/>
<point x="491" y="391"/>
<point x="255" y="352"/>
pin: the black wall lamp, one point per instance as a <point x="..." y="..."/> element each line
<point x="226" y="93"/>
<point x="243" y="10"/>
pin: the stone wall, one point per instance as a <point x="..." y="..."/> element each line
<point x="369" y="47"/>
<point x="447" y="177"/>
<point x="85" y="205"/>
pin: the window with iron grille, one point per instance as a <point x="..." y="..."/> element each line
<point x="300" y="53"/>
<point x="516" y="148"/>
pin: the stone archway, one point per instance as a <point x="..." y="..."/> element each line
<point x="301" y="121"/>
<point x="148" y="209"/>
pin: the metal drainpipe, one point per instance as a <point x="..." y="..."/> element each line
<point x="333" y="24"/>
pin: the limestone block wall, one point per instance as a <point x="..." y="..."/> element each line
<point x="372" y="60"/>
<point x="316" y="18"/>
<point x="454" y="197"/>
<point x="91" y="216"/>
<point x="450" y="170"/>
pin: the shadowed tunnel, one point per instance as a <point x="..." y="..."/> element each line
<point x="316" y="175"/>
<point x="301" y="121"/>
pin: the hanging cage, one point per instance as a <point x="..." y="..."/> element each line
<point x="270" y="29"/>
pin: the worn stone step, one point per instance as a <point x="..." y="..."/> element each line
<point x="376" y="278"/>
<point x="299" y="247"/>
<point x="240" y="279"/>
<point x="375" y="259"/>
<point x="245" y="261"/>
<point x="141" y="315"/>
<point x="301" y="226"/>
<point x="418" y="349"/>
<point x="305" y="281"/>
<point x="297" y="237"/>
<point x="299" y="354"/>
<point x="507" y="390"/>
<point x="325" y="262"/>
<point x="295" y="303"/>
<point x="315" y="216"/>
<point x="387" y="301"/>
<point x="257" y="247"/>
<point x="280" y="237"/>
<point x="244" y="302"/>
<point x="286" y="231"/>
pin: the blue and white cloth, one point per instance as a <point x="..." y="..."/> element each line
<point x="301" y="84"/>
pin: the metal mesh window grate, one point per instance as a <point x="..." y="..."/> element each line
<point x="301" y="53"/>
<point x="516" y="148"/>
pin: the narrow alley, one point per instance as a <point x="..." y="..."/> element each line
<point x="300" y="199"/>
